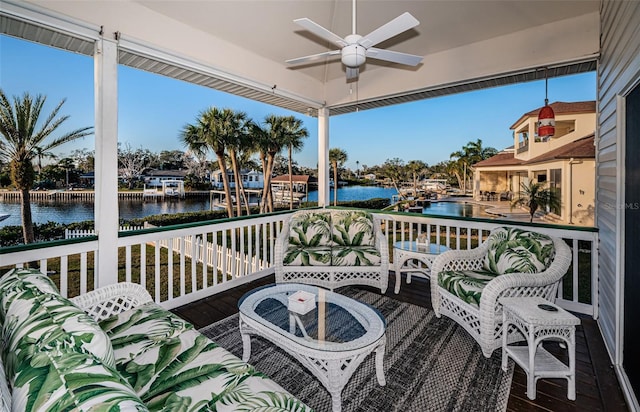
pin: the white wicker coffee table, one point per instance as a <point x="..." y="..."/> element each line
<point x="405" y="252"/>
<point x="331" y="340"/>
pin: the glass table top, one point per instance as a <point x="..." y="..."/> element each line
<point x="426" y="248"/>
<point x="335" y="323"/>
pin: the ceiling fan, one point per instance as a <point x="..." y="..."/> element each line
<point x="354" y="49"/>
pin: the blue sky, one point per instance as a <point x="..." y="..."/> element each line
<point x="153" y="109"/>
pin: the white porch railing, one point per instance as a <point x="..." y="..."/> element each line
<point x="244" y="251"/>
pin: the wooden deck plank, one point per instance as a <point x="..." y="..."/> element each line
<point x="597" y="387"/>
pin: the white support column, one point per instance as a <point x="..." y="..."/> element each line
<point x="106" y="160"/>
<point x="323" y="157"/>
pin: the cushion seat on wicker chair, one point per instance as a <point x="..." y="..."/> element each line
<point x="332" y="248"/>
<point x="510" y="262"/>
<point x="467" y="285"/>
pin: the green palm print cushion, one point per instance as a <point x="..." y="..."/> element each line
<point x="40" y="321"/>
<point x="352" y="228"/>
<point x="309" y="240"/>
<point x="355" y="256"/>
<point x="134" y="331"/>
<point x="467" y="285"/>
<point x="16" y="281"/>
<point x="57" y="381"/>
<point x="172" y="367"/>
<point x="513" y="250"/>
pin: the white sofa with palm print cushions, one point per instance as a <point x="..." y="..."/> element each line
<point x="332" y="248"/>
<point x="113" y="349"/>
<point x="466" y="285"/>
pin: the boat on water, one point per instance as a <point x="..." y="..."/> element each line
<point x="3" y="216"/>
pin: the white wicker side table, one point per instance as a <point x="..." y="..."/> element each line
<point x="536" y="324"/>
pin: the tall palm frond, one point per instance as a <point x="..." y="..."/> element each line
<point x="23" y="137"/>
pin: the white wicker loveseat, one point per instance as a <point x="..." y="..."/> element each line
<point x="114" y="349"/>
<point x="467" y="284"/>
<point x="332" y="248"/>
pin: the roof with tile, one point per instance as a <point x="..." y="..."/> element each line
<point x="582" y="148"/>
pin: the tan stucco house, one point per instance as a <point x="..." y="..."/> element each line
<point x="566" y="161"/>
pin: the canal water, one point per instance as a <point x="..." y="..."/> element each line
<point x="78" y="211"/>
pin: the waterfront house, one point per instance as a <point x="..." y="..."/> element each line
<point x="240" y="47"/>
<point x="251" y="179"/>
<point x="155" y="178"/>
<point x="566" y="162"/>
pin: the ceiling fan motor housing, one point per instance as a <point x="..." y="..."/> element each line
<point x="353" y="55"/>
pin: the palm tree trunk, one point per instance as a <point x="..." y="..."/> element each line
<point x="225" y="182"/>
<point x="272" y="166"/>
<point x="335" y="184"/>
<point x="27" y="221"/>
<point x="290" y="178"/>
<point x="263" y="201"/>
<point x="236" y="178"/>
<point x="266" y="191"/>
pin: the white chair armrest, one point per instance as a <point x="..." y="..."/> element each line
<point x="112" y="299"/>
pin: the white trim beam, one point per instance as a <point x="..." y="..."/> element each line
<point x="106" y="187"/>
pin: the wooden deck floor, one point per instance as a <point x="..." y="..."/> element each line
<point x="597" y="388"/>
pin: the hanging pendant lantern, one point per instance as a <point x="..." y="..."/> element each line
<point x="546" y="117"/>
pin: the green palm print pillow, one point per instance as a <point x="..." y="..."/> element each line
<point x="513" y="250"/>
<point x="309" y="240"/>
<point x="40" y="321"/>
<point x="353" y="228"/>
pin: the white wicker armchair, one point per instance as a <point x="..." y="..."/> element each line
<point x="483" y="320"/>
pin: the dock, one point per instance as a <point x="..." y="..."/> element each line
<point x="84" y="195"/>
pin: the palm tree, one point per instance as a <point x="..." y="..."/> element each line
<point x="337" y="157"/>
<point x="207" y="133"/>
<point x="534" y="195"/>
<point x="270" y="140"/>
<point x="294" y="133"/>
<point x="464" y="159"/>
<point x="416" y="167"/>
<point x="234" y="133"/>
<point x="22" y="139"/>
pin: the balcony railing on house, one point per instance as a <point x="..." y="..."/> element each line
<point x="184" y="263"/>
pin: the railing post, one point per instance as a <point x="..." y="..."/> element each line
<point x="106" y="160"/>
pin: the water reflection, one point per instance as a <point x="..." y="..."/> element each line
<point x="77" y="211"/>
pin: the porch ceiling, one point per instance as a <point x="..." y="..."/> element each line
<point x="240" y="46"/>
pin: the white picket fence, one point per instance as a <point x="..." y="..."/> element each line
<point x="73" y="234"/>
<point x="204" y="253"/>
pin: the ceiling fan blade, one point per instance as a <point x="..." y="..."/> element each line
<point x="313" y="58"/>
<point x="395" y="57"/>
<point x="352" y="73"/>
<point x="320" y="31"/>
<point x="402" y="23"/>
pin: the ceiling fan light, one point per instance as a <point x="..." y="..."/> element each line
<point x="353" y="55"/>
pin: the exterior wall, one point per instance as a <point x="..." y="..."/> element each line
<point x="581" y="202"/>
<point x="617" y="73"/>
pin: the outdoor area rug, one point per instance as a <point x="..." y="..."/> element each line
<point x="430" y="364"/>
